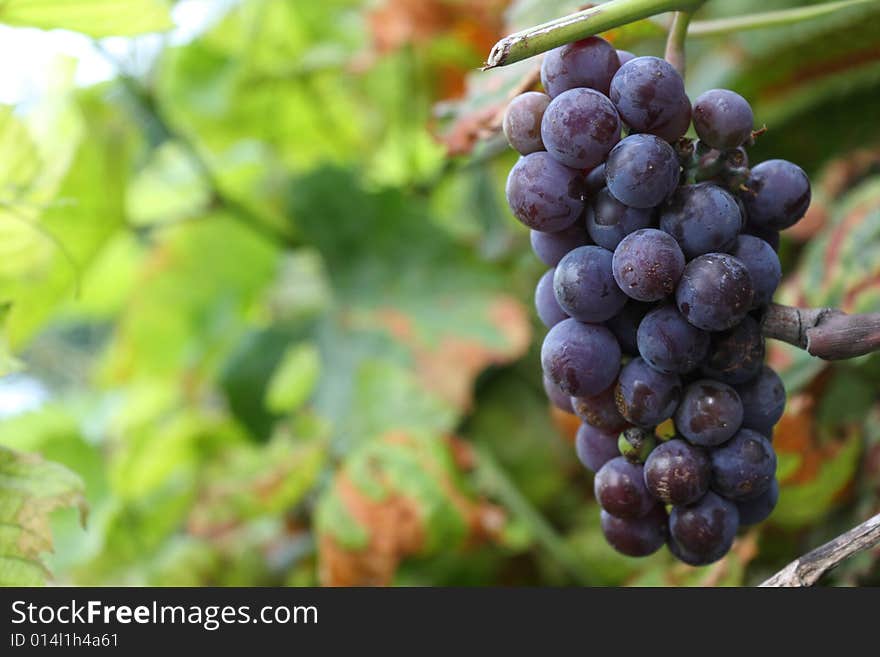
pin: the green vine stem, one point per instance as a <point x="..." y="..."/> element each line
<point x="678" y="32"/>
<point x="769" y="18"/>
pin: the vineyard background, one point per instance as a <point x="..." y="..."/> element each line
<point x="267" y="318"/>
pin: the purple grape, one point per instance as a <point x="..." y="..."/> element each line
<point x="649" y="95"/>
<point x="579" y="128"/>
<point x="677" y="473"/>
<point x="744" y="467"/>
<point x="595" y="181"/>
<point x="585" y="287"/>
<point x="620" y="489"/>
<point x="723" y="119"/>
<point x="735" y="355"/>
<point x="703" y="532"/>
<point x="641" y="171"/>
<point x="715" y="292"/>
<point x="624" y="56"/>
<point x="543" y="194"/>
<point x="609" y="220"/>
<point x="556" y="396"/>
<point x="669" y="343"/>
<point x="601" y="412"/>
<point x="778" y="194"/>
<point x="636" y="537"/>
<point x="590" y="62"/>
<point x="595" y="447"/>
<point x="751" y="512"/>
<point x="551" y="247"/>
<point x="763" y="400"/>
<point x="582" y="359"/>
<point x="625" y="325"/>
<point x="522" y="121"/>
<point x="644" y="396"/>
<point x="763" y="265"/>
<point x="703" y="218"/>
<point x="647" y="264"/>
<point x="767" y="234"/>
<point x="710" y="413"/>
<point x="546" y="305"/>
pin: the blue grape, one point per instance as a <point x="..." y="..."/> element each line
<point x="557" y="397"/>
<point x="723" y="119"/>
<point x="595" y="447"/>
<point x="624" y="56"/>
<point x="644" y="396"/>
<point x="763" y="400"/>
<point x="744" y="467"/>
<point x="620" y="489"/>
<point x="546" y="305"/>
<point x="703" y="532"/>
<point x="777" y="195"/>
<point x="737" y="354"/>
<point x="551" y="247"/>
<point x="763" y="265"/>
<point x="582" y="359"/>
<point x="600" y="411"/>
<point x="650" y="97"/>
<point x="590" y="62"/>
<point x="636" y="537"/>
<point x="709" y="414"/>
<point x="767" y="234"/>
<point x="641" y="171"/>
<point x="585" y="287"/>
<point x="647" y="264"/>
<point x="625" y="325"/>
<point x="543" y="194"/>
<point x="715" y="292"/>
<point x="609" y="220"/>
<point x="595" y="181"/>
<point x="677" y="473"/>
<point x="751" y="512"/>
<point x="669" y="343"/>
<point x="579" y="128"/>
<point x="522" y="122"/>
<point x="703" y="218"/>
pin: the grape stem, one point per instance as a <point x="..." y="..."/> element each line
<point x="806" y="570"/>
<point x="737" y="24"/>
<point x="826" y="333"/>
<point x="675" y="41"/>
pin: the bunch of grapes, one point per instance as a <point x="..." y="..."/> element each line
<point x="662" y="257"/>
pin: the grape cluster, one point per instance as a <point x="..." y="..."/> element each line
<point x="662" y="257"/>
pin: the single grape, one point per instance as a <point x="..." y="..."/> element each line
<point x="556" y="396"/>
<point x="677" y="473"/>
<point x="585" y="287"/>
<point x="582" y="359"/>
<point x="703" y="532"/>
<point x="620" y="489"/>
<point x="767" y="234"/>
<point x="778" y="194"/>
<point x="647" y="264"/>
<point x="743" y="468"/>
<point x="715" y="292"/>
<point x="595" y="181"/>
<point x="709" y="414"/>
<point x="669" y="343"/>
<point x="609" y="220"/>
<point x="703" y="218"/>
<point x="737" y="354"/>
<point x="551" y="247"/>
<point x="590" y="62"/>
<point x="543" y="194"/>
<point x="752" y="512"/>
<point x="624" y="56"/>
<point x="636" y="537"/>
<point x="595" y="447"/>
<point x="579" y="128"/>
<point x="763" y="265"/>
<point x="644" y="396"/>
<point x="625" y="325"/>
<point x="600" y="411"/>
<point x="522" y="122"/>
<point x="649" y="95"/>
<point x="546" y="305"/>
<point x="763" y="400"/>
<point x="722" y="118"/>
<point x="641" y="171"/>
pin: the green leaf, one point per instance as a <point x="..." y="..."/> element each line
<point x="295" y="379"/>
<point x="30" y="489"/>
<point x="97" y="18"/>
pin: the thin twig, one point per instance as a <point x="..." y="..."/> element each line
<point x="736" y="24"/>
<point x="806" y="570"/>
<point x="675" y="42"/>
<point x="826" y="333"/>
